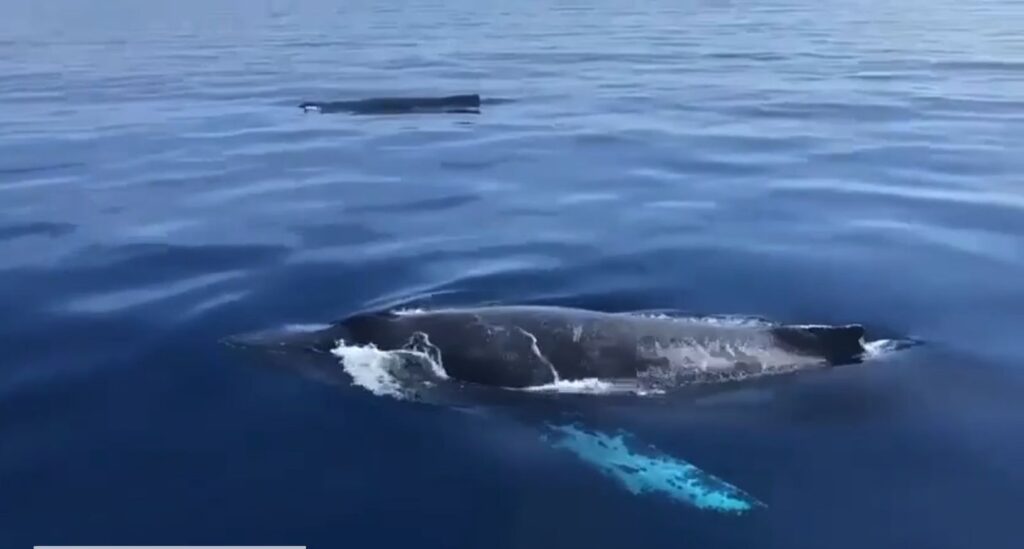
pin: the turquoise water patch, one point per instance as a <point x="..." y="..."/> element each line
<point x="651" y="472"/>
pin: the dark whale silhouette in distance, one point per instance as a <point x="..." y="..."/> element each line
<point x="466" y="103"/>
<point x="530" y="346"/>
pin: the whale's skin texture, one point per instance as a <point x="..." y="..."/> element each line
<point x="526" y="346"/>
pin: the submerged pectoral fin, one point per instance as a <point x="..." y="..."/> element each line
<point x="651" y="471"/>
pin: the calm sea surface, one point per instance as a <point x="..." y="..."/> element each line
<point x="809" y="161"/>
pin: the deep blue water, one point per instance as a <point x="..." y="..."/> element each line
<point x="855" y="161"/>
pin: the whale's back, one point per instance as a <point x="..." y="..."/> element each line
<point x="531" y="346"/>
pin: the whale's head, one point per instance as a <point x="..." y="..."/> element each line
<point x="339" y="354"/>
<point x="311" y="338"/>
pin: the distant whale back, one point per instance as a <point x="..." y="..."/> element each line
<point x="464" y="103"/>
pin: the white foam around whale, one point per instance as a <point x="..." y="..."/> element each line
<point x="595" y="386"/>
<point x="388" y="373"/>
<point x="370" y="368"/>
<point x="881" y="347"/>
<point x="588" y="386"/>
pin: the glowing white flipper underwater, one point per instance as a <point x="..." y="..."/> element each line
<point x="653" y="472"/>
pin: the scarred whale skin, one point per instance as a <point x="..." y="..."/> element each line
<point x="525" y="346"/>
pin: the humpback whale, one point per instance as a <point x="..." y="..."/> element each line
<point x="530" y="346"/>
<point x="467" y="103"/>
<point x="521" y="359"/>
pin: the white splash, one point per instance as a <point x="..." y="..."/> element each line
<point x="595" y="386"/>
<point x="587" y="386"/>
<point x="397" y="374"/>
<point x="370" y="368"/>
<point x="408" y="311"/>
<point x="881" y="347"/>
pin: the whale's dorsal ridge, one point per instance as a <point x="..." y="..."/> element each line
<point x="468" y="103"/>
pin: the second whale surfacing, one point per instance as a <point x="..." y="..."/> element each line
<point x="465" y="103"/>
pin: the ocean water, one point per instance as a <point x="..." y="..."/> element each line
<point x="813" y="162"/>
